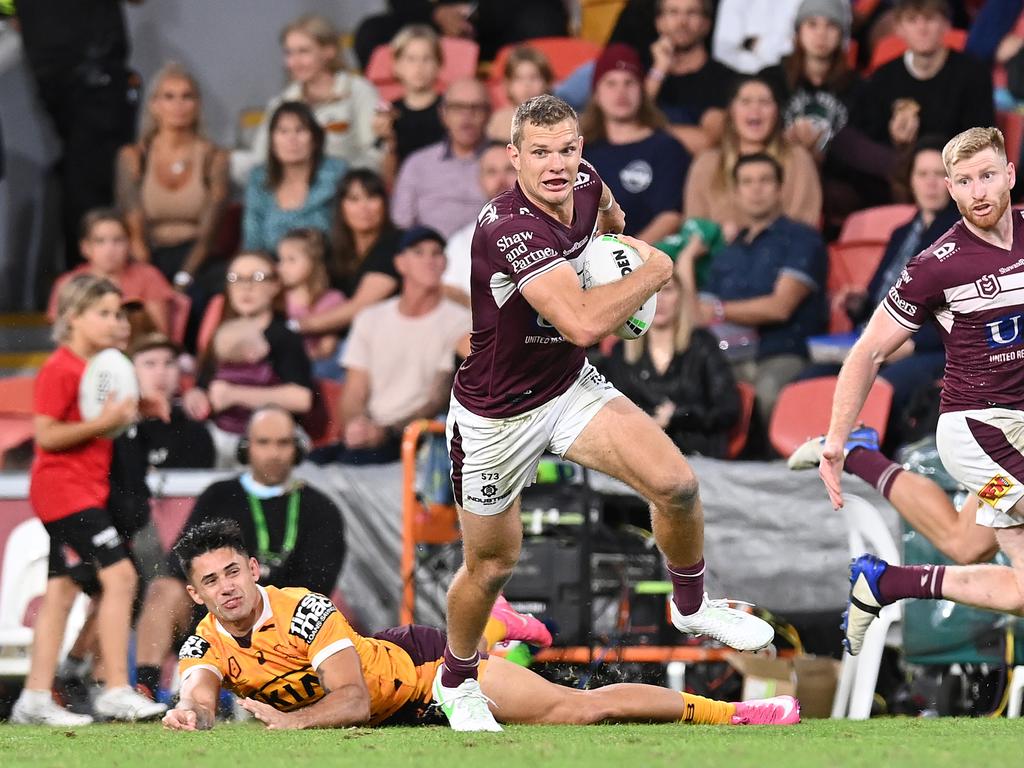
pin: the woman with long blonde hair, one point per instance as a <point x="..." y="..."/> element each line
<point x="172" y="185"/>
<point x="752" y="125"/>
<point x="678" y="375"/>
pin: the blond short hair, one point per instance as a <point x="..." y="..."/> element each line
<point x="75" y="297"/>
<point x="411" y="32"/>
<point x="969" y="143"/>
<point x="544" y="110"/>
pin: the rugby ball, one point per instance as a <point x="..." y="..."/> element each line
<point x="108" y="372"/>
<point x="607" y="260"/>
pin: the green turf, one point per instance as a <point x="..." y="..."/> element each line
<point x="882" y="743"/>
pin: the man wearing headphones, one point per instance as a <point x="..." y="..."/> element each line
<point x="297" y="531"/>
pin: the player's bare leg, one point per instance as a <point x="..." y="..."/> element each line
<point x="490" y="547"/>
<point x="996" y="587"/>
<point x="929" y="511"/>
<point x="875" y="583"/>
<point x="920" y="500"/>
<point x="521" y="696"/>
<point x="624" y="442"/>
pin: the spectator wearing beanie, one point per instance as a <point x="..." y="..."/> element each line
<point x="625" y="139"/>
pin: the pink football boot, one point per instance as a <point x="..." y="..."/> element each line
<point x="778" y="710"/>
<point x="521" y="626"/>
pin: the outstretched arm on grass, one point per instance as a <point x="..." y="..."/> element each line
<point x="197" y="704"/>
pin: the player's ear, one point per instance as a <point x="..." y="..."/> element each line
<point x="193" y="594"/>
<point x="1011" y="171"/>
<point x="513" y="155"/>
<point x="254" y="568"/>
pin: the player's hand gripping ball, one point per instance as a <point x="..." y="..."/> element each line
<point x="607" y="260"/>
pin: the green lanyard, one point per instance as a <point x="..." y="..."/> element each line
<point x="291" y="530"/>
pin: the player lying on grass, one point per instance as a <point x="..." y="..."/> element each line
<point x="296" y="662"/>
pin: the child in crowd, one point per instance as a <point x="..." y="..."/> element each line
<point x="414" y="120"/>
<point x="528" y="73"/>
<point x="105" y="246"/>
<point x="242" y="354"/>
<point x="302" y="265"/>
<point x="181" y="442"/>
<point x="69" y="489"/>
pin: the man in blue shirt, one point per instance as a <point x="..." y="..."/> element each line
<point x="770" y="278"/>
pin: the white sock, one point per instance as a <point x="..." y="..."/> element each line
<point x="36" y="698"/>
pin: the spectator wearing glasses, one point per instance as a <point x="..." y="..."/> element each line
<point x="437" y="186"/>
<point x="230" y="390"/>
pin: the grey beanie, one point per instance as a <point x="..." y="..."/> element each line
<point x="836" y="11"/>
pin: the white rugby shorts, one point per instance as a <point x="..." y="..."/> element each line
<point x="494" y="459"/>
<point x="984" y="450"/>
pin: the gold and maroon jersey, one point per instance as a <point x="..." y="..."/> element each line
<point x="296" y="632"/>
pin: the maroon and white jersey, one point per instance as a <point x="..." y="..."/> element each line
<point x="974" y="292"/>
<point x="517" y="359"/>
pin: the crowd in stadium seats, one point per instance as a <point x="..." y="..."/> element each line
<point x="683" y="91"/>
<point x="737" y="135"/>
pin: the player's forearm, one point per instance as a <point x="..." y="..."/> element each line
<point x="855" y="378"/>
<point x="345" y="706"/>
<point x="606" y="307"/>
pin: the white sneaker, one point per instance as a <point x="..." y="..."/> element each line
<point x="466" y="706"/>
<point x="32" y="710"/>
<point x="808" y="455"/>
<point x="125" y="703"/>
<point x="731" y="626"/>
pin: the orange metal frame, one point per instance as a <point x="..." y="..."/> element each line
<point x="568" y="655"/>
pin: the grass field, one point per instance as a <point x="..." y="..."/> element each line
<point x="881" y="743"/>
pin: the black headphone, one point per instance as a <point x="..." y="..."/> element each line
<point x="300" y="439"/>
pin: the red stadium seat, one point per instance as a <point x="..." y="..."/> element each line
<point x="178" y="316"/>
<point x="565" y="54"/>
<point x="330" y="392"/>
<point x="741" y="429"/>
<point x="893" y="46"/>
<point x="16" y="415"/>
<point x="855" y="261"/>
<point x="460" y="59"/>
<point x="1012" y="126"/>
<point x="876" y="223"/>
<point x="851" y="265"/>
<point x="14" y="431"/>
<point x="804" y="408"/>
<point x="210" y="321"/>
<point x="16" y="395"/>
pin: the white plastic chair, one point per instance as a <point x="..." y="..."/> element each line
<point x="26" y="558"/>
<point x="1016" y="689"/>
<point x="866" y="532"/>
